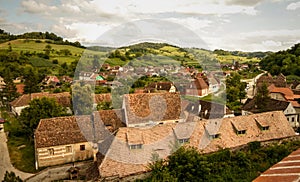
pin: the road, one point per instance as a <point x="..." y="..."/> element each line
<point x="5" y="164"/>
<point x="251" y="83"/>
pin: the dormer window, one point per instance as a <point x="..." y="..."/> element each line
<point x="215" y="136"/>
<point x="240" y="132"/>
<point x="262" y="124"/>
<point x="135" y="146"/>
<point x="264" y="128"/>
<point x="184" y="140"/>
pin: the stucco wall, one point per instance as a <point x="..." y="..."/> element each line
<point x="61" y="156"/>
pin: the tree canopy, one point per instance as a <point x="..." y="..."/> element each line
<point x="39" y="109"/>
<point x="235" y="91"/>
<point x="286" y="62"/>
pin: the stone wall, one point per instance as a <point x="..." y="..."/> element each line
<point x="59" y="172"/>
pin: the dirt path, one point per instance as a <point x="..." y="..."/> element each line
<point x="5" y="164"/>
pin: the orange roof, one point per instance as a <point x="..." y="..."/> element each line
<point x="287" y="170"/>
<point x="122" y="161"/>
<point x="287" y="92"/>
<point x="20" y="88"/>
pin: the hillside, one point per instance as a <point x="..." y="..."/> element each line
<point x="57" y="57"/>
<point x="286" y="62"/>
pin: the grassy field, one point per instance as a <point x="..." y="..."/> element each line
<point x="230" y="58"/>
<point x="21" y="150"/>
<point x="38" y="46"/>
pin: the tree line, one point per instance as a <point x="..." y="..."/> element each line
<point x="286" y="62"/>
<point x="6" y="36"/>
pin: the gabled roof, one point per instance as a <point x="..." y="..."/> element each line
<point x="278" y="81"/>
<point x="286" y="92"/>
<point x="270" y="105"/>
<point x="200" y="83"/>
<point x="75" y="129"/>
<point x="64" y="98"/>
<point x="120" y="161"/>
<point x="145" y="107"/>
<point x="60" y="131"/>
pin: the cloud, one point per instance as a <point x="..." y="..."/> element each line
<point x="31" y="6"/>
<point x="293" y="6"/>
<point x="243" y="2"/>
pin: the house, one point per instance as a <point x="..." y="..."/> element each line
<point x="250" y="107"/>
<point x="278" y="81"/>
<point x="160" y="87"/>
<point x="132" y="149"/>
<point x="68" y="139"/>
<point x="60" y="140"/>
<point x="208" y="110"/>
<point x="64" y="99"/>
<point x="143" y="109"/>
<point x="50" y="81"/>
<point x="197" y="87"/>
<point x="214" y="84"/>
<point x="288" y="170"/>
<point x="86" y="76"/>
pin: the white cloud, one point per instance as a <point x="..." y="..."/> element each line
<point x="32" y="6"/>
<point x="293" y="6"/>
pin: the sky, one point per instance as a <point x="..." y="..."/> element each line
<point x="246" y="25"/>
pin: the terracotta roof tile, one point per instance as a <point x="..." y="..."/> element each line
<point x="145" y="107"/>
<point x="63" y="98"/>
<point x="287" y="170"/>
<point x="270" y="105"/>
<point x="59" y="131"/>
<point x="158" y="139"/>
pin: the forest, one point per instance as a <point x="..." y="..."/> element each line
<point x="286" y="62"/>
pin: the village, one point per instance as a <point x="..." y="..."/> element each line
<point x="152" y="119"/>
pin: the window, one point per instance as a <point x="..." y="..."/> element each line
<point x="215" y="136"/>
<point x="68" y="149"/>
<point x="185" y="140"/>
<point x="293" y="119"/>
<point x="264" y="128"/>
<point x="239" y="132"/>
<point x="51" y="151"/>
<point x="82" y="147"/>
<point x="135" y="146"/>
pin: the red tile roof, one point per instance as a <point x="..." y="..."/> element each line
<point x="287" y="170"/>
<point x="63" y="98"/>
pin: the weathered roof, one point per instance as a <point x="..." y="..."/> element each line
<point x="270" y="105"/>
<point x="121" y="161"/>
<point x="75" y="129"/>
<point x="145" y="107"/>
<point x="278" y="81"/>
<point x="59" y="131"/>
<point x="287" y="170"/>
<point x="279" y="127"/>
<point x="63" y="98"/>
<point x="98" y="98"/>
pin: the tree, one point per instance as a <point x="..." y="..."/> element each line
<point x="47" y="49"/>
<point x="104" y="106"/>
<point x="82" y="98"/>
<point x="262" y="96"/>
<point x="39" y="109"/>
<point x="11" y="177"/>
<point x="9" y="91"/>
<point x="235" y="91"/>
<point x="31" y="82"/>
